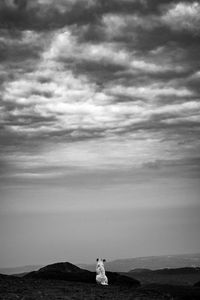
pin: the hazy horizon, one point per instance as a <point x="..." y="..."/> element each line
<point x="99" y="129"/>
<point x="78" y="263"/>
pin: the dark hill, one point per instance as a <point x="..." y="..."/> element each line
<point x="61" y="267"/>
<point x="69" y="272"/>
<point x="3" y="276"/>
<point x="197" y="284"/>
<point x="178" y="276"/>
<point x="167" y="271"/>
<point x="178" y="271"/>
<point x="140" y="270"/>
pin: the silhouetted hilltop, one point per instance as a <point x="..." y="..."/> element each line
<point x="69" y="272"/>
<point x="62" y="271"/>
<point x="140" y="270"/>
<point x="61" y="267"/>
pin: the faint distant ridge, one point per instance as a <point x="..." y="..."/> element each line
<point x="125" y="265"/>
<point x="151" y="262"/>
<point x="19" y="270"/>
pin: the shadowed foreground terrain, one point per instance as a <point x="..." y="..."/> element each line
<point x="178" y="276"/>
<point x="13" y="288"/>
<point x="67" y="281"/>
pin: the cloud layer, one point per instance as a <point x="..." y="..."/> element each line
<point x="98" y="85"/>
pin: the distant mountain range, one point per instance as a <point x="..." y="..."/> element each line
<point x="150" y="262"/>
<point x="19" y="270"/>
<point x="125" y="265"/>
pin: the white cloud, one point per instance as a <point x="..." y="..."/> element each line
<point x="149" y="92"/>
<point x="183" y="16"/>
<point x="119" y="24"/>
<point x="184" y="119"/>
<point x="65" y="5"/>
<point x="195" y="76"/>
<point x="27" y="38"/>
<point x="76" y="102"/>
<point x="65" y="46"/>
<point x="178" y="16"/>
<point x="130" y="151"/>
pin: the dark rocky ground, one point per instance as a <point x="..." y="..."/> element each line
<point x="67" y="281"/>
<point x="178" y="276"/>
<point x="13" y="288"/>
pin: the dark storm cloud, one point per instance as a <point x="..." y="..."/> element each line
<point x="16" y="52"/>
<point x="157" y="37"/>
<point x="176" y="130"/>
<point x="42" y="14"/>
<point x="46" y="15"/>
<point x="100" y="72"/>
<point x="27" y="120"/>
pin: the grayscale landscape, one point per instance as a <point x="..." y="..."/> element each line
<point x="99" y="149"/>
<point x="67" y="281"/>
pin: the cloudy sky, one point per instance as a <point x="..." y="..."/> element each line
<point x="99" y="129"/>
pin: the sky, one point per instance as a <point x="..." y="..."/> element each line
<point x="99" y="129"/>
